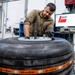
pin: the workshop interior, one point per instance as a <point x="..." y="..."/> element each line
<point x="44" y="55"/>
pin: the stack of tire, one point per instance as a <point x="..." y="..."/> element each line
<point x="16" y="31"/>
<point x="18" y="57"/>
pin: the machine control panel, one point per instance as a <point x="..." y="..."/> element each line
<point x="68" y="2"/>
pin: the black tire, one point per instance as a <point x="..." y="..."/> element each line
<point x="31" y="55"/>
<point x="16" y="31"/>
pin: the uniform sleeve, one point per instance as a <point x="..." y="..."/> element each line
<point x="50" y="26"/>
<point x="30" y="17"/>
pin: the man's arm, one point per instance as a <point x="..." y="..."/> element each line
<point x="26" y="30"/>
<point x="28" y="21"/>
<point x="49" y="30"/>
<point x="50" y="26"/>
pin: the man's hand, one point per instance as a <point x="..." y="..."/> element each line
<point x="49" y="34"/>
<point x="27" y="37"/>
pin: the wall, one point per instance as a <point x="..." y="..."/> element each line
<point x="0" y="20"/>
<point x="16" y="9"/>
<point x="15" y="13"/>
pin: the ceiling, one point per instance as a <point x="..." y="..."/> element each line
<point x="1" y="1"/>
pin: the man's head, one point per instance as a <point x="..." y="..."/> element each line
<point x="49" y="10"/>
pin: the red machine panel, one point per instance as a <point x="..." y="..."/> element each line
<point x="68" y="2"/>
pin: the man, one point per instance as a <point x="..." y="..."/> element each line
<point x="42" y="19"/>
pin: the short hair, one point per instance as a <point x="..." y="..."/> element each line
<point x="51" y="6"/>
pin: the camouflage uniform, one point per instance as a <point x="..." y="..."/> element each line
<point x="35" y="16"/>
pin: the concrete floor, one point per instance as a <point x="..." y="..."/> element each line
<point x="72" y="73"/>
<point x="7" y="35"/>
